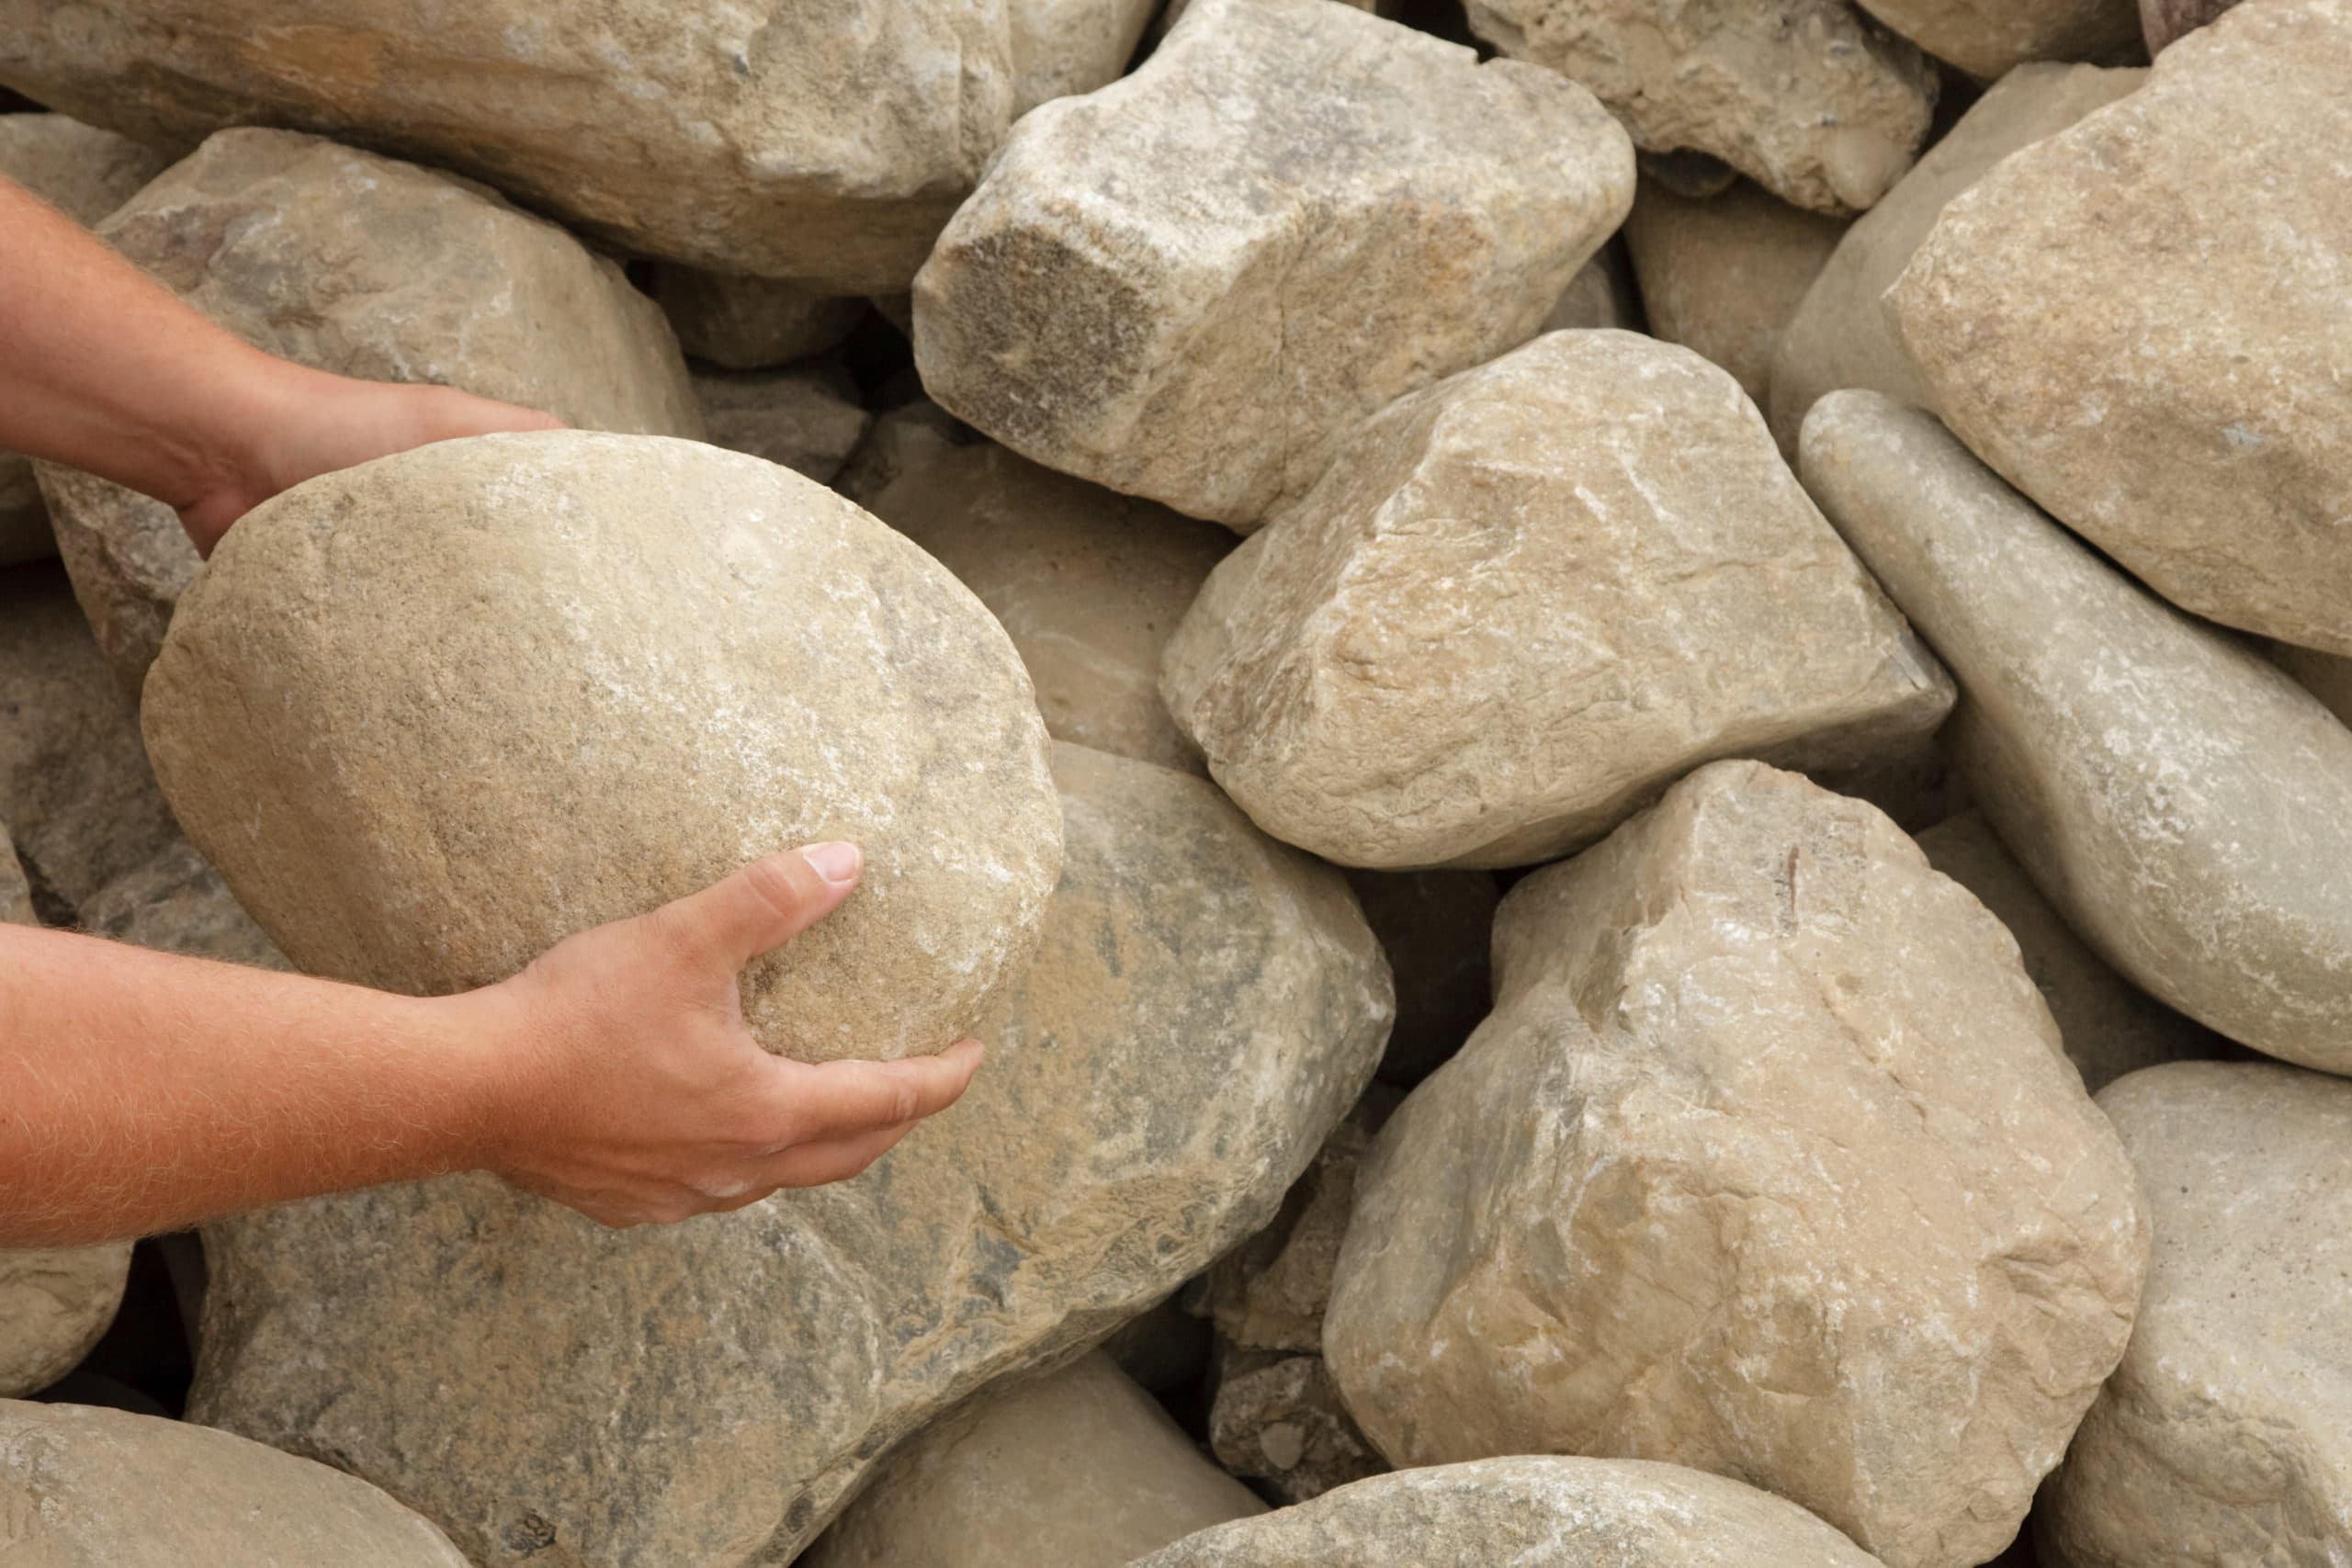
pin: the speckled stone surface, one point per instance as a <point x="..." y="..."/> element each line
<point x="1767" y="1163"/>
<point x="1278" y="1420"/>
<point x="1986" y="38"/>
<point x="176" y="903"/>
<point x="809" y="420"/>
<point x="2181" y="801"/>
<point x="1186" y="284"/>
<point x="2139" y="322"/>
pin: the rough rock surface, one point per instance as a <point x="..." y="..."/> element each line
<point x="1526" y="599"/>
<point x="713" y="659"/>
<point x="1987" y="37"/>
<point x="809" y="421"/>
<point x="2161" y="21"/>
<point x="1767" y="1163"/>
<point x="86" y="1488"/>
<point x="2109" y="1026"/>
<point x="1185" y="286"/>
<point x="2226" y="1434"/>
<point x="1279" y="1421"/>
<point x="1088" y="583"/>
<point x="1839" y="336"/>
<point x="2191" y="423"/>
<point x="1530" y="1513"/>
<point x="711" y="1392"/>
<point x="176" y="903"/>
<point x="1722" y="277"/>
<point x="1433" y="926"/>
<point x="825" y="144"/>
<point x="1061" y="47"/>
<point x="2181" y="802"/>
<point x="1080" y="1469"/>
<point x="751" y="323"/>
<point x="1602" y="294"/>
<point x="1808" y="99"/>
<point x="363" y="266"/>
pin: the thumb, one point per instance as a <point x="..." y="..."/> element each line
<point x="764" y="905"/>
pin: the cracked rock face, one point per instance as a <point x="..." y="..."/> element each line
<point x="2182" y="802"/>
<point x="713" y="1392"/>
<point x="1986" y="38"/>
<point x="1186" y="284"/>
<point x="2140" y="323"/>
<point x="1767" y="1163"/>
<point x="2226" y="1434"/>
<point x="1810" y="99"/>
<point x="713" y="659"/>
<point x="1526" y="599"/>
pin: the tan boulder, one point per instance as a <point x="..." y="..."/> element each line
<point x="1186" y="284"/>
<point x="1986" y="38"/>
<point x="1433" y="926"/>
<point x="1279" y="1420"/>
<point x="750" y="324"/>
<point x="1080" y="1469"/>
<point x="2225" y="1437"/>
<point x="1808" y="99"/>
<point x="809" y="421"/>
<point x="2140" y="323"/>
<point x="1767" y="1163"/>
<point x="1063" y="47"/>
<point x="1525" y="601"/>
<point x="2183" y="804"/>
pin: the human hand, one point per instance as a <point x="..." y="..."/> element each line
<point x="634" y="1091"/>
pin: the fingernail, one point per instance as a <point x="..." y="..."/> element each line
<point x="837" y="863"/>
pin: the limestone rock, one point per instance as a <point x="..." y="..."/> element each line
<point x="1807" y="98"/>
<point x="1722" y="277"/>
<point x="1988" y="38"/>
<point x="1150" y="1096"/>
<point x="1062" y="46"/>
<point x="365" y="266"/>
<point x="809" y="421"/>
<point x="1433" y="926"/>
<point x="2181" y="802"/>
<point x="822" y="144"/>
<point x="1767" y="1163"/>
<point x="2161" y="21"/>
<point x="1185" y="286"/>
<point x="1525" y="601"/>
<point x="751" y="323"/>
<point x="1279" y="1421"/>
<point x="1602" y="294"/>
<point x="2110" y="1027"/>
<point x="88" y="1488"/>
<point x="1839" y="336"/>
<point x="2192" y="423"/>
<point x="176" y="903"/>
<point x="1079" y="1470"/>
<point x="2226" y="1434"/>
<point x="1530" y="1513"/>
<point x="1088" y="583"/>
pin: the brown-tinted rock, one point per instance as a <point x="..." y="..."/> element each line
<point x="2190" y="422"/>
<point x="1767" y="1163"/>
<point x="1525" y="601"/>
<point x="2161" y="21"/>
<point x="2226" y="1434"/>
<point x="1986" y="38"/>
<point x="809" y="421"/>
<point x="1279" y="1420"/>
<point x="1062" y="46"/>
<point x="1602" y="294"/>
<point x="1433" y="926"/>
<point x="1152" y="1091"/>
<point x="751" y="323"/>
<point x="1185" y="286"/>
<point x="1080" y="1469"/>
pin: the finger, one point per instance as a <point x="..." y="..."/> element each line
<point x="834" y="1159"/>
<point x="834" y="1100"/>
<point x="764" y="905"/>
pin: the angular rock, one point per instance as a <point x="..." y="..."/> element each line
<point x="1602" y="294"/>
<point x="1839" y="336"/>
<point x="176" y="903"/>
<point x="1987" y="37"/>
<point x="1807" y="98"/>
<point x="824" y="144"/>
<point x="1206" y="1005"/>
<point x="1279" y="1421"/>
<point x="1080" y="1469"/>
<point x="2180" y="801"/>
<point x="1530" y="1513"/>
<point x="365" y="266"/>
<point x="809" y="421"/>
<point x="2138" y="323"/>
<point x="1767" y="1163"/>
<point x="2161" y="21"/>
<point x="1185" y="286"/>
<point x="1525" y="601"/>
<point x="1064" y="47"/>
<point x="751" y="323"/>
<point x="86" y="1488"/>
<point x="1433" y="926"/>
<point x="1088" y="583"/>
<point x="2226" y="1434"/>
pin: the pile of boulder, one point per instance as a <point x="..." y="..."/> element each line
<point x="1629" y="720"/>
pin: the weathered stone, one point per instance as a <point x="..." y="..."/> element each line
<point x="1088" y="583"/>
<point x="1767" y="1163"/>
<point x="1185" y="286"/>
<point x="1526" y="599"/>
<point x="1279" y="1421"/>
<point x="1433" y="926"/>
<point x="176" y="903"/>
<point x="2193" y="422"/>
<point x="2226" y="1434"/>
<point x="822" y="143"/>
<point x="1602" y="294"/>
<point x="1062" y="46"/>
<point x="2110" y="1027"/>
<point x="713" y="659"/>
<point x="1987" y="37"/>
<point x="2161" y="21"/>
<point x="751" y="323"/>
<point x="809" y="421"/>
<point x="365" y="266"/>
<point x="1839" y="336"/>
<point x="1080" y="1469"/>
<point x="86" y="1488"/>
<point x="2181" y="802"/>
<point x="713" y="1392"/>
<point x="1722" y="277"/>
<point x="1808" y="99"/>
<point x="1530" y="1513"/>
